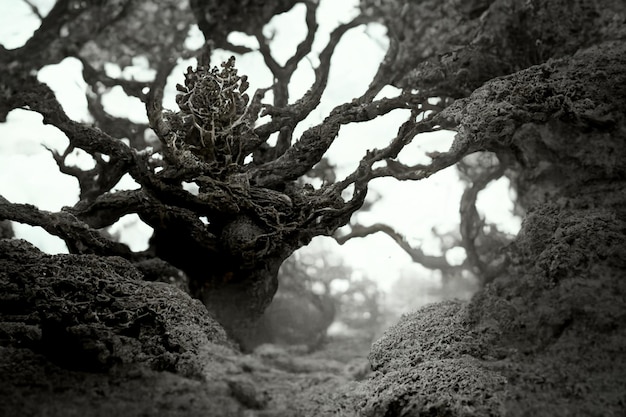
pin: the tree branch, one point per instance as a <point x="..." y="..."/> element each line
<point x="416" y="254"/>
<point x="315" y="141"/>
<point x="38" y="97"/>
<point x="471" y="223"/>
<point x="78" y="236"/>
<point x="283" y="74"/>
<point x="97" y="180"/>
<point x="34" y="9"/>
<point x="108" y="208"/>
<point x="295" y="113"/>
<point x="93" y="77"/>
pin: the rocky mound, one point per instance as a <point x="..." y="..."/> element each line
<point x="548" y="336"/>
<point x="82" y="335"/>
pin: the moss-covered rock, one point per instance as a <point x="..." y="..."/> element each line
<point x="433" y="362"/>
<point x="86" y="335"/>
<point x="547" y="337"/>
<point x="92" y="313"/>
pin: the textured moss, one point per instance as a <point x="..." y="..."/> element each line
<point x="91" y="313"/>
<point x="547" y="337"/>
<point x="427" y="363"/>
<point x="85" y="335"/>
<point x="438" y="331"/>
<point x="561" y="314"/>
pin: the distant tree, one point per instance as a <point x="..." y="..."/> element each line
<point x="361" y="307"/>
<point x="316" y="289"/>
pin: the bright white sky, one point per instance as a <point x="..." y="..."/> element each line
<point x="28" y="174"/>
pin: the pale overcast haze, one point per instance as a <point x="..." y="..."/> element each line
<point x="28" y="174"/>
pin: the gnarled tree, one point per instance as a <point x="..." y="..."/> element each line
<point x="251" y="212"/>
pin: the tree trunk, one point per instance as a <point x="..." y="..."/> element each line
<point x="236" y="280"/>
